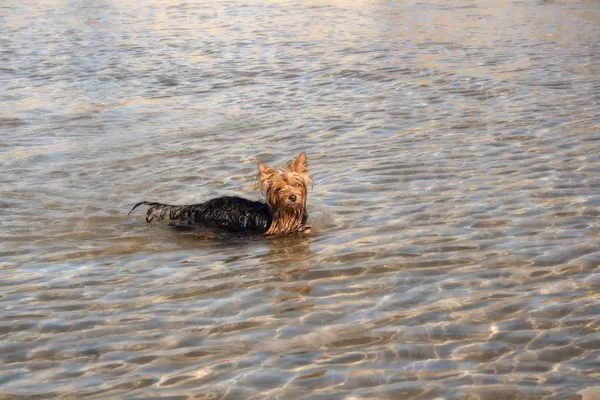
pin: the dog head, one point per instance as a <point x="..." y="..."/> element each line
<point x="286" y="192"/>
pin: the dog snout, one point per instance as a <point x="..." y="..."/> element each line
<point x="292" y="198"/>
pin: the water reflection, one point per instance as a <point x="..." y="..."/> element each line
<point x="289" y="250"/>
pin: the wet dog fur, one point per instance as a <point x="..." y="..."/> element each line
<point x="282" y="212"/>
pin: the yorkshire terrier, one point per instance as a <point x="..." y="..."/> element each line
<point x="284" y="210"/>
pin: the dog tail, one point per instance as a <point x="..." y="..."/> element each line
<point x="158" y="211"/>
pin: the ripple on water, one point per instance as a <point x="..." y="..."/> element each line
<point x="455" y="200"/>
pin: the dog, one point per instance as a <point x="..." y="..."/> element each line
<point x="283" y="212"/>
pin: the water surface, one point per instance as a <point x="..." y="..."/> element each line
<point x="455" y="150"/>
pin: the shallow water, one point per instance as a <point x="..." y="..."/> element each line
<point x="455" y="150"/>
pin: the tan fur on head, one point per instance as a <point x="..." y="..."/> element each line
<point x="286" y="192"/>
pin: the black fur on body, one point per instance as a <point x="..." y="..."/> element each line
<point x="231" y="213"/>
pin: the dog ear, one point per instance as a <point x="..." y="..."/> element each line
<point x="300" y="165"/>
<point x="265" y="172"/>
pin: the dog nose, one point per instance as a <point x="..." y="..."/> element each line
<point x="292" y="198"/>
